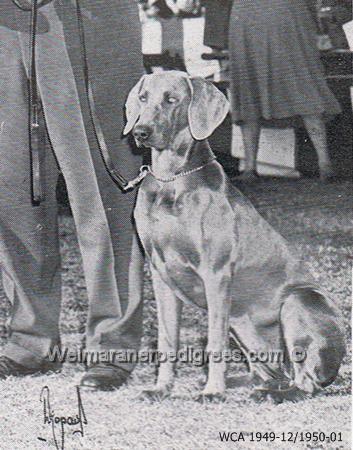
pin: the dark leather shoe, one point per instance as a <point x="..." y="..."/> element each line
<point x="9" y="367"/>
<point x="104" y="377"/>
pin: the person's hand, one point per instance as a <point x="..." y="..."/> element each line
<point x="173" y="6"/>
<point x="183" y="6"/>
<point x="325" y="13"/>
<point x="147" y="9"/>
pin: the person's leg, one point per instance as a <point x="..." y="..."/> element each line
<point x="251" y="136"/>
<point x="116" y="69"/>
<point x="114" y="321"/>
<point x="315" y="126"/>
<point x="217" y="23"/>
<point x="29" y="247"/>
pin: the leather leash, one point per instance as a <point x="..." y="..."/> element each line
<point x="34" y="128"/>
<point x="34" y="131"/>
<point x="37" y="192"/>
<point x="115" y="175"/>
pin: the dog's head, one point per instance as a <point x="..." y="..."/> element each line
<point x="162" y="106"/>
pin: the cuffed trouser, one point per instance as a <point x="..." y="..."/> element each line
<point x="29" y="251"/>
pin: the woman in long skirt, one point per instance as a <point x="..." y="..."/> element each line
<point x="276" y="73"/>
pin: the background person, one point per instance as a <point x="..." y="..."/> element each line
<point x="276" y="73"/>
<point x="217" y="13"/>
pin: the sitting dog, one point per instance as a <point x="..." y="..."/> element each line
<point x="208" y="246"/>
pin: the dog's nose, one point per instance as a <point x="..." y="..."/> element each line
<point x="142" y="132"/>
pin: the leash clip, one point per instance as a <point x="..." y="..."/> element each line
<point x="144" y="170"/>
<point x="35" y="122"/>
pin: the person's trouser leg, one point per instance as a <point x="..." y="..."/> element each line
<point x="114" y="320"/>
<point x="29" y="248"/>
<point x="116" y="69"/>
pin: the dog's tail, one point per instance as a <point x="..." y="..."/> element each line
<point x="313" y="335"/>
<point x="313" y="343"/>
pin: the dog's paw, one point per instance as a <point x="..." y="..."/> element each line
<point x="259" y="396"/>
<point x="154" y="395"/>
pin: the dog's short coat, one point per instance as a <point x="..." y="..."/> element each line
<point x="208" y="246"/>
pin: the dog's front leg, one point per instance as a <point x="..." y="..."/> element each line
<point x="218" y="303"/>
<point x="169" y="311"/>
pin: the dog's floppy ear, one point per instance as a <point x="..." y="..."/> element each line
<point x="132" y="106"/>
<point x="208" y="108"/>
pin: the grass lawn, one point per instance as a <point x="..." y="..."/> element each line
<point x="318" y="221"/>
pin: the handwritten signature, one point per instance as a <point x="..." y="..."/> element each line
<point x="58" y="423"/>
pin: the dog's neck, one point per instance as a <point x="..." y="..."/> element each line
<point x="169" y="162"/>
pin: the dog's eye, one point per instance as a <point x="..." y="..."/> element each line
<point x="171" y="99"/>
<point x="143" y="98"/>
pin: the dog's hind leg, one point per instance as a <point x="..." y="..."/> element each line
<point x="261" y="346"/>
<point x="314" y="337"/>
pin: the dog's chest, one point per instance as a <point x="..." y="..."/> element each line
<point x="168" y="224"/>
<point x="163" y="216"/>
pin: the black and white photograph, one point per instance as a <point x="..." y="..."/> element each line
<point x="176" y="224"/>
